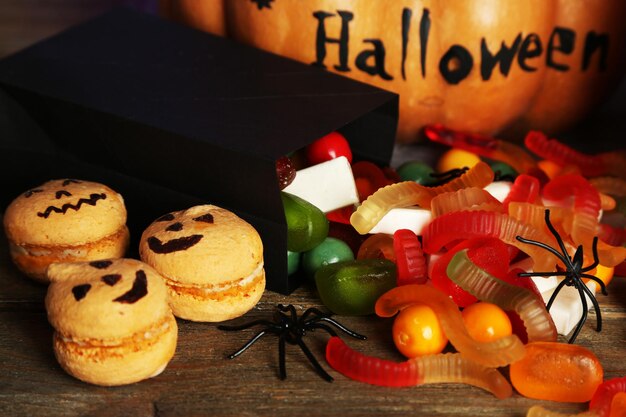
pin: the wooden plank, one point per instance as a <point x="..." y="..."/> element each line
<point x="201" y="381"/>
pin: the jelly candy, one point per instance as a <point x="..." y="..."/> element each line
<point x="586" y="212"/>
<point x="558" y="152"/>
<point x="409" y="193"/>
<point x="471" y="198"/>
<point x="377" y="246"/>
<point x="352" y="287"/>
<point x="416" y="171"/>
<point x="430" y="369"/>
<point x="307" y="226"/>
<point x="285" y="171"/>
<point x="486" y="321"/>
<point x="456" y="158"/>
<point x="484" y="286"/>
<point x="557" y="372"/>
<point x="601" y="402"/>
<point x="467" y="224"/>
<point x="525" y="188"/>
<point x="503" y="171"/>
<point x="293" y="262"/>
<point x="410" y="259"/>
<point x="346" y="233"/>
<point x="328" y="147"/>
<point x="330" y="251"/>
<point x="416" y="332"/>
<point x="486" y="146"/>
<point x="493" y="354"/>
<point x="369" y="178"/>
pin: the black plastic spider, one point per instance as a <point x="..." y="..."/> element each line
<point x="291" y="329"/>
<point x="574" y="272"/>
<point x="441" y="178"/>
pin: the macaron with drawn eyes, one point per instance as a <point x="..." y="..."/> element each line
<point x="65" y="220"/>
<point x="113" y="325"/>
<point x="211" y="259"/>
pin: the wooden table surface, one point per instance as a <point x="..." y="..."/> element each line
<point x="199" y="381"/>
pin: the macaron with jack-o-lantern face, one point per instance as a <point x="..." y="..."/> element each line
<point x="113" y="325"/>
<point x="65" y="220"/>
<point x="211" y="259"/>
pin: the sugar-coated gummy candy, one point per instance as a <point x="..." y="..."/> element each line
<point x="330" y="251"/>
<point x="352" y="287"/>
<point x="556" y="371"/>
<point x="307" y="226"/>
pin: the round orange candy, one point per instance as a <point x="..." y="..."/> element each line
<point x="417" y="332"/>
<point x="456" y="158"/>
<point x="486" y="321"/>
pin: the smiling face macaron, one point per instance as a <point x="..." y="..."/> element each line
<point x="64" y="221"/>
<point x="113" y="325"/>
<point x="211" y="259"/>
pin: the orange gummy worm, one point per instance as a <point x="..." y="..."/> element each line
<point x="495" y="353"/>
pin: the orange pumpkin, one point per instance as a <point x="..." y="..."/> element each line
<point x="484" y="66"/>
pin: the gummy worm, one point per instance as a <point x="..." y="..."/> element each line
<point x="430" y="369"/>
<point x="471" y="198"/>
<point x="468" y="224"/>
<point x="410" y="193"/>
<point x="486" y="287"/>
<point x="495" y="353"/>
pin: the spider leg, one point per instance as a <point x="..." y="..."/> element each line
<point x="312" y="310"/>
<point x="290" y="309"/>
<point x="555" y="293"/>
<point x="316" y="325"/>
<point x="542" y="274"/>
<point x="596" y="260"/>
<point x="343" y="328"/>
<point x="248" y="344"/>
<point x="596" y="306"/>
<point x="281" y="357"/>
<point x="247" y="325"/>
<point x="583" y="318"/>
<point x="321" y="372"/>
<point x="552" y="229"/>
<point x="550" y="249"/>
<point x="597" y="281"/>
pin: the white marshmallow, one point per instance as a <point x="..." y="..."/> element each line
<point x="499" y="189"/>
<point x="545" y="284"/>
<point x="328" y="185"/>
<point x="412" y="218"/>
<point x="567" y="309"/>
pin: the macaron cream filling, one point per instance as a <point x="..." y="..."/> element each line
<point x="209" y="290"/>
<point x="150" y="335"/>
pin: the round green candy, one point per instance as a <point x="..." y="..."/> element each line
<point x="293" y="262"/>
<point x="330" y="251"/>
<point x="503" y="170"/>
<point x="307" y="226"/>
<point x="416" y="171"/>
<point x="352" y="287"/>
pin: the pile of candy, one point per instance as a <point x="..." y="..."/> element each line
<point x="495" y="258"/>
